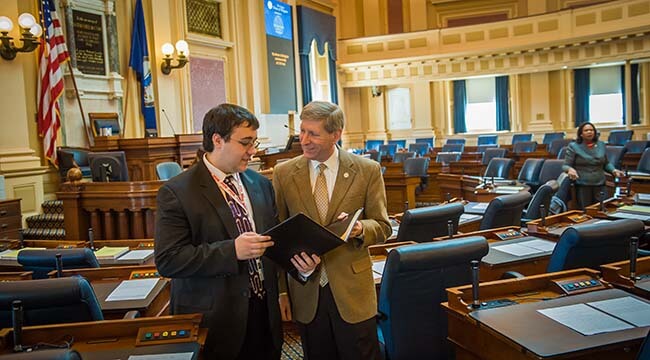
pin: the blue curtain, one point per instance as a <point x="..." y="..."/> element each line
<point x="334" y="92"/>
<point x="623" y="94"/>
<point x="460" y="103"/>
<point x="501" y="92"/>
<point x="305" y="80"/>
<point x="635" y="93"/>
<point x="581" y="94"/>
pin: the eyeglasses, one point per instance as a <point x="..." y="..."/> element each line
<point x="248" y="143"/>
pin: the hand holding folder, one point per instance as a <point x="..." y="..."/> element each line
<point x="300" y="233"/>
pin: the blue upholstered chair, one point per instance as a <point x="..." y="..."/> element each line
<point x="487" y="140"/>
<point x="636" y="146"/>
<point x="401" y="156"/>
<point x="418" y="167"/>
<point x="557" y="145"/>
<point x="373" y="144"/>
<point x="411" y="323"/>
<point x="73" y="157"/>
<point x="505" y="210"/>
<point x="615" y="154"/>
<point x="448" y="157"/>
<point x="419" y="148"/>
<point x="42" y="262"/>
<point x="551" y="170"/>
<point x="491" y="153"/>
<point x="562" y="153"/>
<point x="168" y="169"/>
<point x="517" y="138"/>
<point x="619" y="137"/>
<point x="524" y="147"/>
<point x="453" y="148"/>
<point x="542" y="196"/>
<point x="425" y="223"/>
<point x="455" y="141"/>
<point x="50" y="301"/>
<point x="529" y="173"/>
<point x="428" y="141"/>
<point x="563" y="192"/>
<point x="483" y="148"/>
<point x="550" y="137"/>
<point x="401" y="144"/>
<point x="592" y="245"/>
<point x="499" y="167"/>
<point x="387" y="150"/>
<point x="46" y="354"/>
<point x="644" y="162"/>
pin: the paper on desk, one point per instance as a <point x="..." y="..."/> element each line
<point x="517" y="249"/>
<point x="624" y="215"/>
<point x="543" y="245"/>
<point x="378" y="266"/>
<point x="132" y="290"/>
<point x="584" y="319"/>
<point x="468" y="217"/>
<point x="174" y="356"/>
<point x="626" y="308"/>
<point x="136" y="255"/>
<point x="480" y="206"/>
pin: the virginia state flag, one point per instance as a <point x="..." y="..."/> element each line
<point x="139" y="61"/>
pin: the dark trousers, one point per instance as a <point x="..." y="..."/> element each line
<point x="258" y="343"/>
<point x="587" y="195"/>
<point x="328" y="337"/>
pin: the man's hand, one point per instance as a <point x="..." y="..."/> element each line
<point x="357" y="229"/>
<point x="573" y="174"/>
<point x="618" y="173"/>
<point x="285" y="307"/>
<point x="250" y="245"/>
<point x="304" y="263"/>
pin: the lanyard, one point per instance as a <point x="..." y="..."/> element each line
<point x="238" y="198"/>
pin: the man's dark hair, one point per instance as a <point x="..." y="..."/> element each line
<point x="579" y="139"/>
<point x="222" y="120"/>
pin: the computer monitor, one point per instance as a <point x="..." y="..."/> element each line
<point x="293" y="139"/>
<point x="108" y="166"/>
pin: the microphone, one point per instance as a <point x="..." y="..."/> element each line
<point x="17" y="324"/>
<point x="602" y="201"/>
<point x="542" y="213"/>
<point x="21" y="238"/>
<point x="634" y="245"/>
<point x="59" y="265"/>
<point x="450" y="228"/>
<point x="475" y="302"/>
<point x="91" y="238"/>
<point x="168" y="121"/>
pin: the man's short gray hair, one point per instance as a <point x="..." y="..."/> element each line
<point x="324" y="111"/>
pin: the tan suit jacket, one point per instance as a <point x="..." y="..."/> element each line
<point x="358" y="184"/>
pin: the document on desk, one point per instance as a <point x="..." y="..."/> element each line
<point x="132" y="290"/>
<point x="585" y="319"/>
<point x="174" y="356"/>
<point x="539" y="244"/>
<point x="378" y="267"/>
<point x="465" y="218"/>
<point x="480" y="206"/>
<point x="524" y="249"/>
<point x="624" y="215"/>
<point x="626" y="308"/>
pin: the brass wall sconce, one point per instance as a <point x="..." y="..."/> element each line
<point x="30" y="35"/>
<point x="182" y="49"/>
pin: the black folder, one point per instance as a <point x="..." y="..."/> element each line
<point x="300" y="233"/>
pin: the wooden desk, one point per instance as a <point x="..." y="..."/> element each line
<point x="618" y="274"/>
<point x="556" y="224"/>
<point x="11" y="219"/>
<point x="467" y="167"/>
<point x="399" y="190"/>
<point x="116" y="339"/>
<point x="465" y="187"/>
<point x="610" y="207"/>
<point x="142" y="154"/>
<point x="431" y="193"/>
<point x="15" y="275"/>
<point x="115" y="210"/>
<point x="520" y="332"/>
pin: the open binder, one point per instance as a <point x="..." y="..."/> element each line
<point x="300" y="233"/>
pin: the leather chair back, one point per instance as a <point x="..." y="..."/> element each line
<point x="517" y="138"/>
<point x="428" y="141"/>
<point x="542" y="196"/>
<point x="615" y="154"/>
<point x="168" y="169"/>
<point x="499" y="167"/>
<point x="419" y="148"/>
<point x="644" y="351"/>
<point x="636" y="146"/>
<point x="551" y="170"/>
<point x="374" y="144"/>
<point x="416" y="166"/>
<point x="483" y="148"/>
<point x="491" y="153"/>
<point x="524" y="147"/>
<point x="619" y="137"/>
<point x="557" y="145"/>
<point x="50" y="301"/>
<point x="42" y="262"/>
<point x="505" y="210"/>
<point x="73" y="157"/>
<point x="455" y="141"/>
<point x="425" y="223"/>
<point x="549" y="137"/>
<point x="412" y="324"/>
<point x="592" y="245"/>
<point x="448" y="157"/>
<point x="47" y="354"/>
<point x="374" y="154"/>
<point x="529" y="172"/>
<point x="401" y="144"/>
<point x="644" y="162"/>
<point x="401" y="156"/>
<point x="453" y="148"/>
<point x="564" y="188"/>
<point x="487" y="140"/>
<point x="387" y="150"/>
<point x="562" y="153"/>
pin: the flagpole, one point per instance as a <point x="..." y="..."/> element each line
<point x="126" y="103"/>
<point x="83" y="116"/>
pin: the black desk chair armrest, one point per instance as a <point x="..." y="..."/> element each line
<point x="133" y="314"/>
<point x="512" y="275"/>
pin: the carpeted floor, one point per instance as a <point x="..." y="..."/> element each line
<point x="292" y="348"/>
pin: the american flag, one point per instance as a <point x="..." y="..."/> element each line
<point x="53" y="54"/>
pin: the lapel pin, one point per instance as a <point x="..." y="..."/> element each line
<point x="346" y="175"/>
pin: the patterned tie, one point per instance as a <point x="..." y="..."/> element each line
<point x="321" y="196"/>
<point x="255" y="275"/>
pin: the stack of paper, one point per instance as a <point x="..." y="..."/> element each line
<point x="13" y="254"/>
<point x="526" y="248"/>
<point x="111" y="252"/>
<point x="136" y="256"/>
<point x="635" y="209"/>
<point x="133" y="290"/>
<point x="508" y="189"/>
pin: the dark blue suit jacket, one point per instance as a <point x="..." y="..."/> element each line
<point x="194" y="246"/>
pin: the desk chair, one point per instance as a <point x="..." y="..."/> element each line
<point x="644" y="162"/>
<point x="551" y="170"/>
<point x="487" y="140"/>
<point x="168" y="169"/>
<point x="542" y="196"/>
<point x="401" y="156"/>
<point x="556" y="145"/>
<point x="448" y="157"/>
<point x="524" y="147"/>
<point x="48" y="354"/>
<point x="411" y="323"/>
<point x="453" y="148"/>
<point x="419" y="148"/>
<point x="592" y="245"/>
<point x="73" y="157"/>
<point x="529" y="173"/>
<point x="418" y="167"/>
<point x="499" y="167"/>
<point x="425" y="223"/>
<point x="373" y="144"/>
<point x="560" y="201"/>
<point x="505" y="210"/>
<point x="387" y="150"/>
<point x="42" y="262"/>
<point x="401" y="144"/>
<point x="455" y="141"/>
<point x="428" y="141"/>
<point x="619" y="137"/>
<point x="517" y="138"/>
<point x="614" y="154"/>
<point x="483" y="148"/>
<point x="562" y="153"/>
<point x="636" y="146"/>
<point x="644" y="351"/>
<point x="550" y="137"/>
<point x="491" y="153"/>
<point x="50" y="301"/>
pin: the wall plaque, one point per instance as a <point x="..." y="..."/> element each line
<point x="89" y="42"/>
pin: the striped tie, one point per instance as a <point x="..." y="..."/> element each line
<point x="321" y="196"/>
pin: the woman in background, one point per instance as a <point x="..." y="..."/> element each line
<point x="586" y="163"/>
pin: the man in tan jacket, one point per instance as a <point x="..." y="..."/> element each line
<point x="335" y="306"/>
